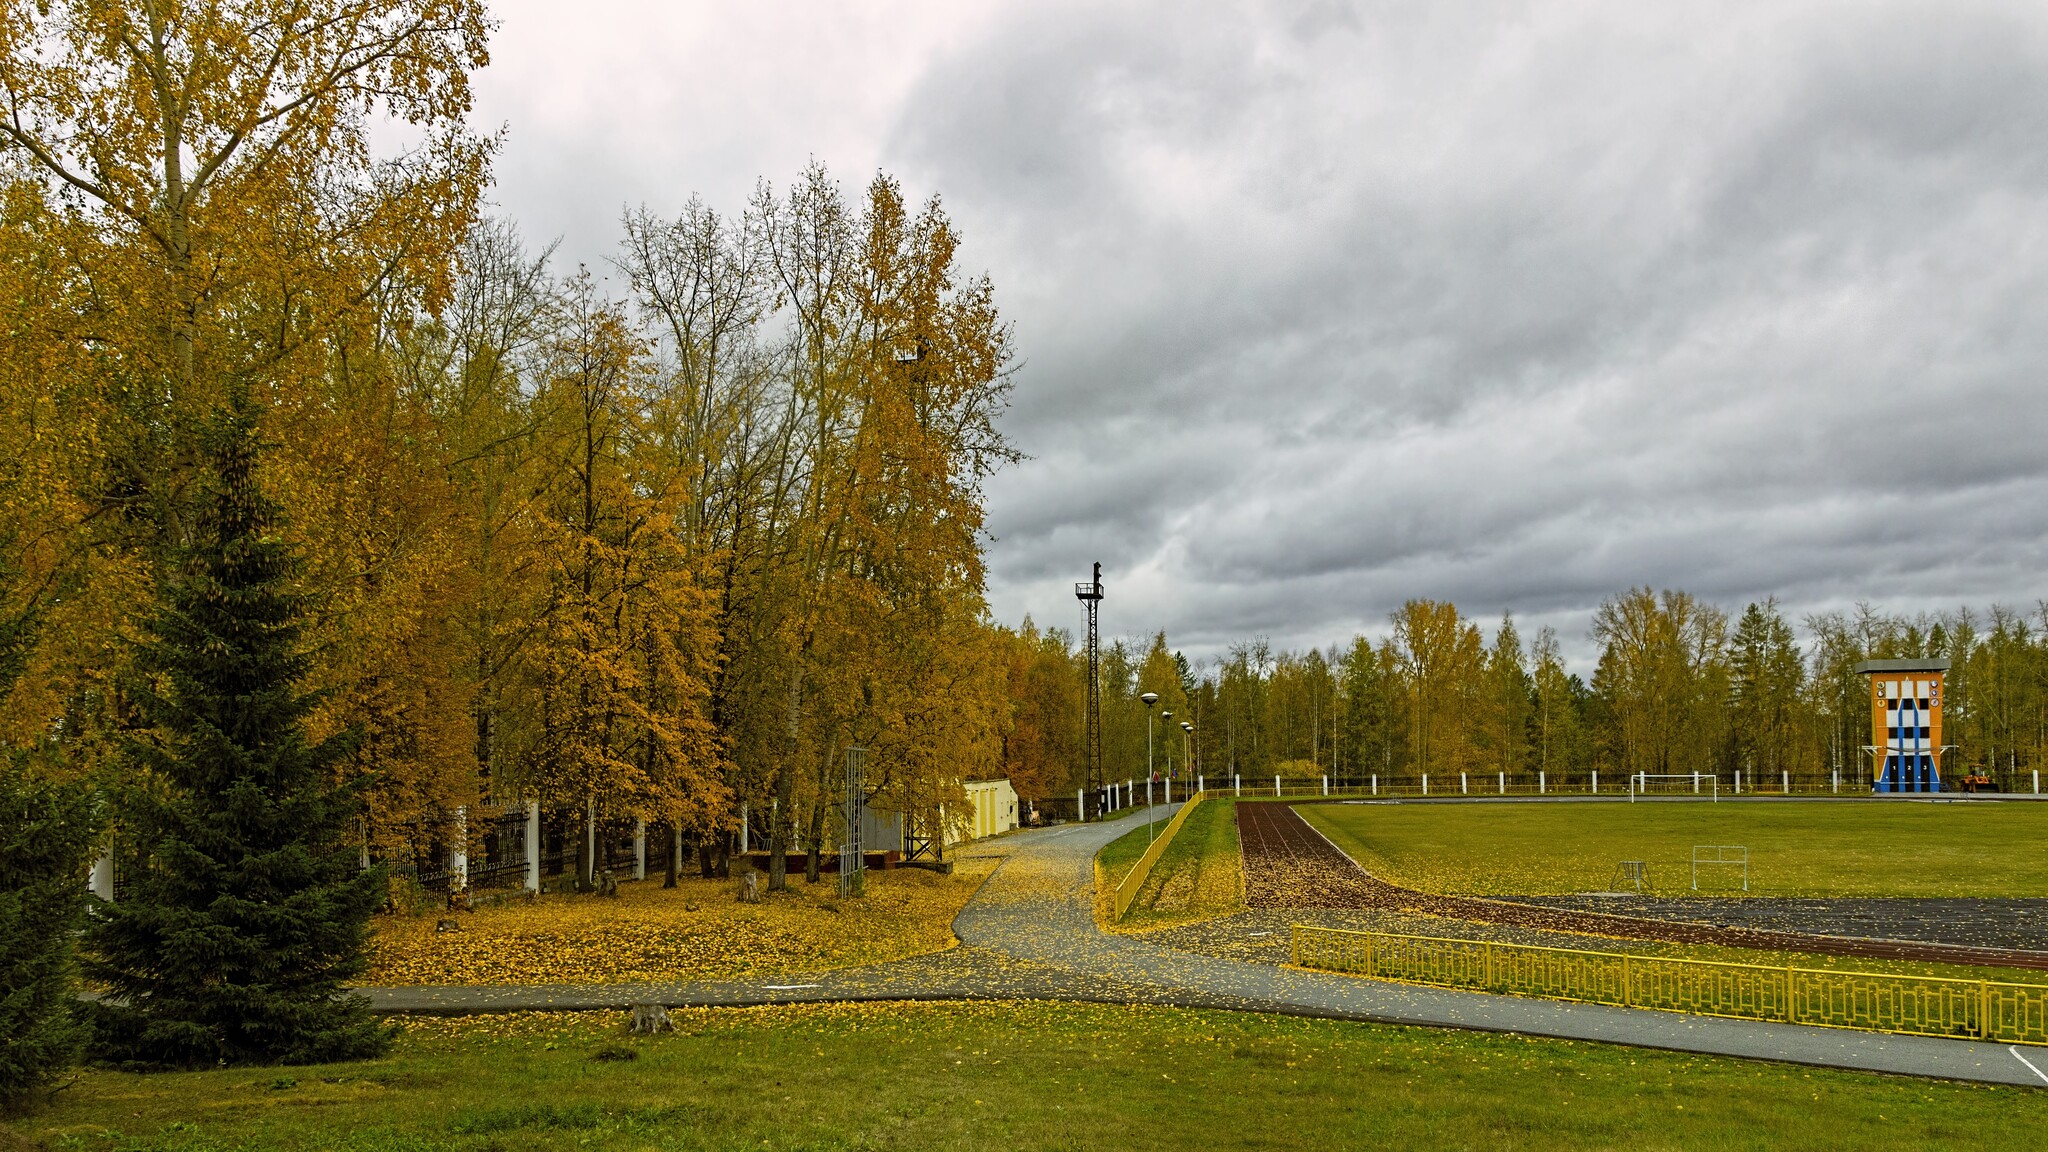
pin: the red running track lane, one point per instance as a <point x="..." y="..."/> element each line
<point x="1288" y="864"/>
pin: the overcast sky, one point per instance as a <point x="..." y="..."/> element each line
<point x="1324" y="306"/>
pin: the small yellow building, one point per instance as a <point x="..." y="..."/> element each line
<point x="1905" y="724"/>
<point x="995" y="807"/>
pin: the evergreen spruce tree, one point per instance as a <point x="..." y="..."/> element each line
<point x="45" y="837"/>
<point x="248" y="911"/>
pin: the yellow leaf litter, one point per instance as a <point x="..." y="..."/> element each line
<point x="697" y="930"/>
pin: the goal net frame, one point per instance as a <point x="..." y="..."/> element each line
<point x="1637" y="782"/>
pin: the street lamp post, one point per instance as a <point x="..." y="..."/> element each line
<point x="1167" y="714"/>
<point x="1150" y="698"/>
<point x="1187" y="757"/>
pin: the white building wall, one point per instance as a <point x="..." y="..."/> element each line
<point x="995" y="809"/>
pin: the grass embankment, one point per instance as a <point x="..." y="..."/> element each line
<point x="697" y="930"/>
<point x="1850" y="848"/>
<point x="1200" y="875"/>
<point x="1016" y="1078"/>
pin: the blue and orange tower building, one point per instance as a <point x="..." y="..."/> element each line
<point x="1905" y="724"/>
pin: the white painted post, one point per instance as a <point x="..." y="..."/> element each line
<point x="1425" y="783"/>
<point x="1236" y="784"/>
<point x="102" y="882"/>
<point x="1542" y="782"/>
<point x="2037" y="781"/>
<point x="1169" y="789"/>
<point x="1201" y="784"/>
<point x="1596" y="781"/>
<point x="1148" y="791"/>
<point x="1375" y="783"/>
<point x="1326" y="785"/>
<point x="1695" y="783"/>
<point x="743" y="830"/>
<point x="1835" y="779"/>
<point x="1464" y="785"/>
<point x="533" y="846"/>
<point x="639" y="849"/>
<point x="1738" y="781"/>
<point x="1785" y="779"/>
<point x="1081" y="802"/>
<point x="1276" y="785"/>
<point x="1503" y="783"/>
<point x="458" y="856"/>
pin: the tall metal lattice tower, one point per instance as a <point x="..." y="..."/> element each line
<point x="852" y="849"/>
<point x="1090" y="596"/>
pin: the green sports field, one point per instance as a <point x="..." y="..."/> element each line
<point x="1819" y="848"/>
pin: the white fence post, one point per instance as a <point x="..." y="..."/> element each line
<point x="2037" y="781"/>
<point x="102" y="882"/>
<point x="1835" y="779"/>
<point x="1236" y="784"/>
<point x="1326" y="785"/>
<point x="1542" y="782"/>
<point x="1081" y="801"/>
<point x="639" y="849"/>
<point x="458" y="856"/>
<point x="1785" y="780"/>
<point x="1169" y="789"/>
<point x="1596" y="781"/>
<point x="1201" y="784"/>
<point x="1464" y="785"/>
<point x="1376" y="783"/>
<point x="1425" y="783"/>
<point x="1276" y="785"/>
<point x="1503" y="783"/>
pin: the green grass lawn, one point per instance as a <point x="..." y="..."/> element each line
<point x="1015" y="1078"/>
<point x="1850" y="848"/>
<point x="1200" y="874"/>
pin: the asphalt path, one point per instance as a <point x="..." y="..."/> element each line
<point x="1030" y="933"/>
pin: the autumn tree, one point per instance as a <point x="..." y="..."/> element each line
<point x="1505" y="701"/>
<point x="1442" y="658"/>
<point x="1663" y="675"/>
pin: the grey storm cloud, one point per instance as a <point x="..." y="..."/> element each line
<point x="1325" y="306"/>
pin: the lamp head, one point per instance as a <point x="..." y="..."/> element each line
<point x="1150" y="698"/>
<point x="1166" y="715"/>
<point x="1187" y="727"/>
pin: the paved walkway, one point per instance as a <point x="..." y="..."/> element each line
<point x="1030" y="933"/>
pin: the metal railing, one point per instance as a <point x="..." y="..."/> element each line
<point x="1865" y="1001"/>
<point x="1134" y="881"/>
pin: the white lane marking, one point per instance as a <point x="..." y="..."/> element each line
<point x="789" y="987"/>
<point x="2015" y="1050"/>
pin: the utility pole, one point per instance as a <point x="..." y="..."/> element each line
<point x="1090" y="596"/>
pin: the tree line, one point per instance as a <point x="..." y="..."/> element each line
<point x="660" y="542"/>
<point x="1681" y="686"/>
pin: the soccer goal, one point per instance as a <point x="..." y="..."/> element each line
<point x="1674" y="784"/>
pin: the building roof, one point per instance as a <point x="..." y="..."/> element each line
<point x="1921" y="665"/>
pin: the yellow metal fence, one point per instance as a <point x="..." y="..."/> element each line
<point x="1869" y="1001"/>
<point x="1133" y="881"/>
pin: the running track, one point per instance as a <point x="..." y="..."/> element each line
<point x="1288" y="864"/>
